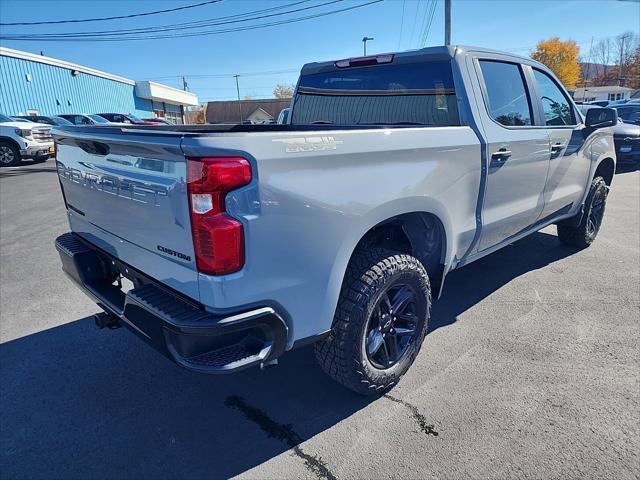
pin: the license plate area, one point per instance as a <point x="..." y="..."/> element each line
<point x="117" y="280"/>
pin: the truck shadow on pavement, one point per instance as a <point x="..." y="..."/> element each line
<point x="469" y="285"/>
<point x="77" y="402"/>
<point x="19" y="171"/>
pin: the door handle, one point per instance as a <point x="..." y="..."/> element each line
<point x="557" y="147"/>
<point x="502" y="155"/>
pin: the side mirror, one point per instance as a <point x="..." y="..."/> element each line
<point x="601" y="117"/>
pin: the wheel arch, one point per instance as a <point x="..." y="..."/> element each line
<point x="606" y="168"/>
<point x="420" y="234"/>
<point x="11" y="141"/>
<point x="402" y="221"/>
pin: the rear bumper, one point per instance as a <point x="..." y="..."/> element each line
<point x="176" y="326"/>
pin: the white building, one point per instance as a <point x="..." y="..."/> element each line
<point x="596" y="94"/>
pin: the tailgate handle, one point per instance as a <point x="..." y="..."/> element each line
<point x="94" y="148"/>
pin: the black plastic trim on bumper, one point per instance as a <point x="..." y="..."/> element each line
<point x="176" y="326"/>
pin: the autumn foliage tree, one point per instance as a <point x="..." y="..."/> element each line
<point x="283" y="91"/>
<point x="561" y="57"/>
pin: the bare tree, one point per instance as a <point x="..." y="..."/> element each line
<point x="602" y="54"/>
<point x="283" y="91"/>
<point x="625" y="46"/>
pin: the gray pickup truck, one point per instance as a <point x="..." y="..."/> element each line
<point x="225" y="246"/>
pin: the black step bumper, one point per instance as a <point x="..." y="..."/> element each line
<point x="174" y="325"/>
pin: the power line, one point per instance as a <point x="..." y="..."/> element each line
<point x="67" y="38"/>
<point x="415" y="19"/>
<point x="427" y="29"/>
<point x="423" y="23"/>
<point x="404" y="3"/>
<point x="211" y="22"/>
<point x="223" y="75"/>
<point x="101" y="19"/>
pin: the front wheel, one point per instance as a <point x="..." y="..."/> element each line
<point x="9" y="154"/>
<point x="380" y="321"/>
<point x="584" y="233"/>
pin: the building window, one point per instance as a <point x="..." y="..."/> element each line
<point x="615" y="96"/>
<point x="168" y="111"/>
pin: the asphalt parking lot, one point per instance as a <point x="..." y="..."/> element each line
<point x="531" y="370"/>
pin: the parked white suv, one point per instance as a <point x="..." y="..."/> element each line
<point x="19" y="140"/>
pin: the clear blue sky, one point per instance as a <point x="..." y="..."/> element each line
<point x="512" y="25"/>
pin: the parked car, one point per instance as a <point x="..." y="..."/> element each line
<point x="163" y="121"/>
<point x="82" y="119"/>
<point x="20" y="140"/>
<point x="283" y="117"/>
<point x="616" y="103"/>
<point x="244" y="241"/>
<point x="630" y="113"/>
<point x="46" y="120"/>
<point x="599" y="103"/>
<point x="268" y="121"/>
<point x="626" y="135"/>
<point x="127" y="118"/>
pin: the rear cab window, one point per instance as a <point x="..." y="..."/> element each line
<point x="420" y="93"/>
<point x="507" y="97"/>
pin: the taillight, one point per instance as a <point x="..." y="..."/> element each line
<point x="218" y="239"/>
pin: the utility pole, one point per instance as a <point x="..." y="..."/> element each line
<point x="239" y="102"/>
<point x="364" y="41"/>
<point x="447" y="22"/>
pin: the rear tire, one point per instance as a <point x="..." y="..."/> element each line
<point x="9" y="154"/>
<point x="380" y="322"/>
<point x="583" y="235"/>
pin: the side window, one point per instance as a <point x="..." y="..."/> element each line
<point x="556" y="107"/>
<point x="84" y="121"/>
<point x="507" y="95"/>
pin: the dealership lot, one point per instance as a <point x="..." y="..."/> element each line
<point x="531" y="370"/>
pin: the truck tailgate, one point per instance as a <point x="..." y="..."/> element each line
<point x="125" y="192"/>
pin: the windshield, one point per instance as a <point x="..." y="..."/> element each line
<point x="4" y="118"/>
<point x="392" y="94"/>
<point x="98" y="119"/>
<point x="133" y="118"/>
<point x="61" y="121"/>
<point x="629" y="114"/>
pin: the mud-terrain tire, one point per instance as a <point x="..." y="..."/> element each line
<point x="583" y="234"/>
<point x="366" y="328"/>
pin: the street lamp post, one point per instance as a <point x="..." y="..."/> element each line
<point x="364" y="41"/>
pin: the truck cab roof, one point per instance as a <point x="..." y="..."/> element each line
<point x="411" y="56"/>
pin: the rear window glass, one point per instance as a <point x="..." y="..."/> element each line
<point x="394" y="94"/>
<point x="507" y="100"/>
